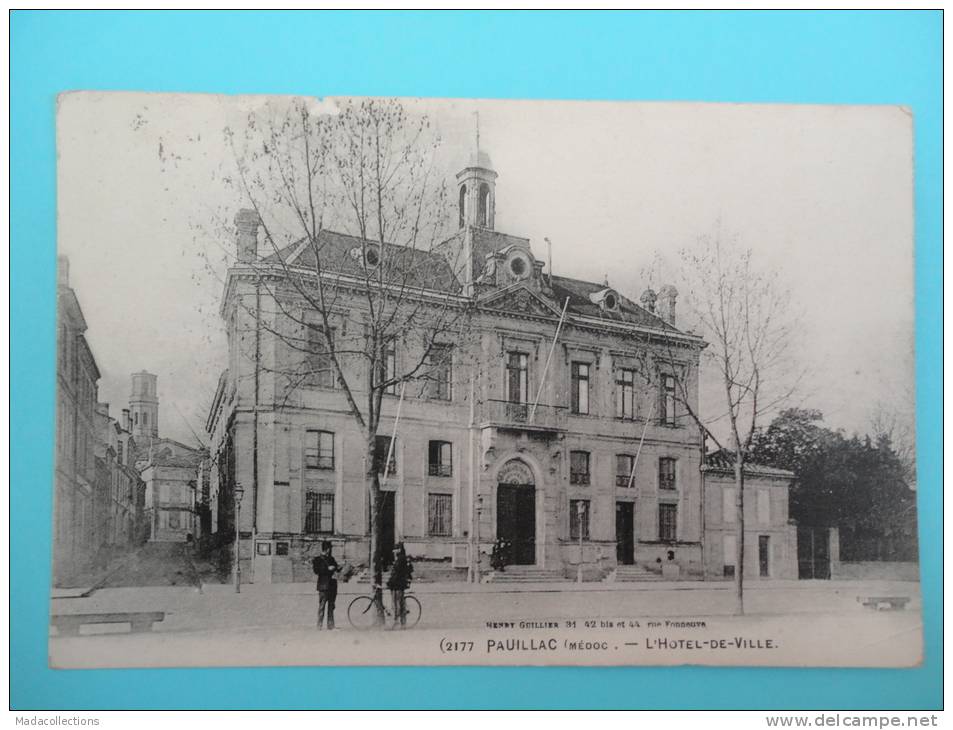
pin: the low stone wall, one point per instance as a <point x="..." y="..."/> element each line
<point x="871" y="570"/>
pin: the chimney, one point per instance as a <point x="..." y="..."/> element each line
<point x="648" y="300"/>
<point x="247" y="223"/>
<point x="126" y="420"/>
<point x="667" y="296"/>
<point x="62" y="271"/>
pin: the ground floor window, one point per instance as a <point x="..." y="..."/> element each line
<point x="623" y="469"/>
<point x="578" y="519"/>
<point x="319" y="517"/>
<point x="729" y="550"/>
<point x="667" y="516"/>
<point x="172" y="519"/>
<point x="440" y="515"/>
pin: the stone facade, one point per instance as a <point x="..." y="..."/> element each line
<point x="474" y="460"/>
<point x="770" y="536"/>
<point x="75" y="535"/>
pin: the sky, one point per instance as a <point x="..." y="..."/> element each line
<point x="821" y="194"/>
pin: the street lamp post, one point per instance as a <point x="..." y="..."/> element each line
<point x="476" y="562"/>
<point x="239" y="493"/>
<point x="579" y="510"/>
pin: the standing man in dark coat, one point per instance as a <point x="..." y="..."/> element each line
<point x="325" y="567"/>
<point x="401" y="573"/>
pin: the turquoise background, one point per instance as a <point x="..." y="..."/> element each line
<point x="800" y="57"/>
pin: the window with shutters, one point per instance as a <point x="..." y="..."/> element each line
<point x="728" y="507"/>
<point x="319" y="450"/>
<point x="764" y="507"/>
<point x="667" y="517"/>
<point x="439" y="372"/>
<point x="579" y="467"/>
<point x="666" y="473"/>
<point x="517" y="378"/>
<point x="389" y="371"/>
<point x="578" y="519"/>
<point x="729" y="554"/>
<point x="625" y="393"/>
<point x="580" y="388"/>
<point x="623" y="469"/>
<point x="319" y="513"/>
<point x="382" y="447"/>
<point x="320" y="367"/>
<point x="440" y="459"/>
<point x="667" y="415"/>
<point x="440" y="515"/>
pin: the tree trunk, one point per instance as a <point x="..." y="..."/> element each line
<point x="376" y="563"/>
<point x="740" y="559"/>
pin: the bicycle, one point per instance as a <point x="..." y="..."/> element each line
<point x="362" y="612"/>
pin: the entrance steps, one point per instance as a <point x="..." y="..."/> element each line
<point x="633" y="574"/>
<point x="526" y="574"/>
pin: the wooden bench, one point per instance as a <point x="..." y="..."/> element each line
<point x="67" y="624"/>
<point x="884" y="603"/>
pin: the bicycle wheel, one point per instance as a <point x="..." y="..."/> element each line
<point x="412" y="610"/>
<point x="362" y="614"/>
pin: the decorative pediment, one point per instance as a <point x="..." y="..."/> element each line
<point x="519" y="300"/>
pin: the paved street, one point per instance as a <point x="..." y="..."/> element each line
<point x="821" y="616"/>
<point x="156" y="564"/>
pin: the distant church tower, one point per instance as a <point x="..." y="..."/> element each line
<point x="144" y="406"/>
<point x="476" y="185"/>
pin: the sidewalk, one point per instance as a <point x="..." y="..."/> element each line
<point x="462" y="587"/>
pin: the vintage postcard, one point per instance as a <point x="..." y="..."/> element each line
<point x="419" y="381"/>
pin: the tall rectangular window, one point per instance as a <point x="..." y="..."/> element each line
<point x="623" y="469"/>
<point x="173" y="519"/>
<point x="440" y="459"/>
<point x="729" y="552"/>
<point x="578" y="519"/>
<point x="319" y="513"/>
<point x="667" y="415"/>
<point x="318" y="360"/>
<point x="319" y="450"/>
<point x="389" y="370"/>
<point x="666" y="473"/>
<point x="579" y="467"/>
<point x="580" y="387"/>
<point x="625" y="393"/>
<point x="439" y="372"/>
<point x="381" y="449"/>
<point x="667" y="517"/>
<point x="764" y="507"/>
<point x="119" y="452"/>
<point x="439" y="514"/>
<point x="728" y="507"/>
<point x="517" y="381"/>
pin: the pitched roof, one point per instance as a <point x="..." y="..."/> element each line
<point x="724" y="460"/>
<point x="578" y="292"/>
<point x="340" y="253"/>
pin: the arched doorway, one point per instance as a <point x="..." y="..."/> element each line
<point x="516" y="511"/>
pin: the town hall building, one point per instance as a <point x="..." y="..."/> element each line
<point x="557" y="425"/>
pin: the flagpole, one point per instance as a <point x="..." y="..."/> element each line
<point x="552" y="347"/>
<point x="641" y="441"/>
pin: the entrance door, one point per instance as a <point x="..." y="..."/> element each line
<point x="624" y="533"/>
<point x="764" y="551"/>
<point x="386" y="504"/>
<point x="516" y="522"/>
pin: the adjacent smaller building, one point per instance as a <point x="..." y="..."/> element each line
<point x="770" y="535"/>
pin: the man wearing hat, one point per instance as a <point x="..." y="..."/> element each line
<point x="325" y="566"/>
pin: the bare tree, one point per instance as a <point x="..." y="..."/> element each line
<point x="348" y="209"/>
<point x="744" y="314"/>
